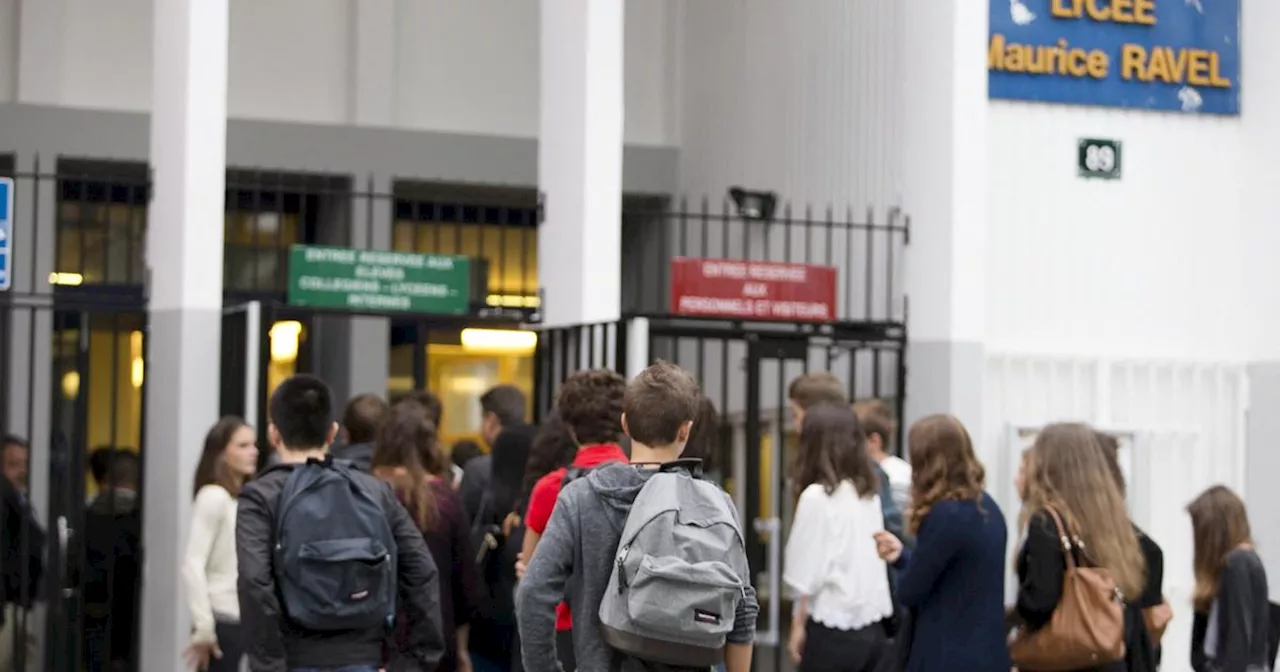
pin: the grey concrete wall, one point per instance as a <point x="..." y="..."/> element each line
<point x="344" y="150"/>
<point x="1262" y="463"/>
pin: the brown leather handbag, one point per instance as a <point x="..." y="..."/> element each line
<point x="1087" y="627"/>
<point x="1157" y="619"/>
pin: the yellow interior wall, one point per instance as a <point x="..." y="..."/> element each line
<point x="512" y="252"/>
<point x="459" y="376"/>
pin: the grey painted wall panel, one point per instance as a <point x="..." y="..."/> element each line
<point x="452" y="157"/>
<point x="1262" y="463"/>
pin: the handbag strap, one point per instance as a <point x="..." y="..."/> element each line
<point x="1070" y="543"/>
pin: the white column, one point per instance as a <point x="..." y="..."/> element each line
<point x="41" y="24"/>
<point x="945" y="192"/>
<point x="184" y="256"/>
<point x="580" y="161"/>
<point x="373" y="63"/>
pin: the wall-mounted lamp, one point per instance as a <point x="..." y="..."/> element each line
<point x="754" y="204"/>
<point x="499" y="340"/>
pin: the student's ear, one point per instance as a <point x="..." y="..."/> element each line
<point x="333" y="434"/>
<point x="682" y="434"/>
<point x="625" y="429"/>
<point x="273" y="436"/>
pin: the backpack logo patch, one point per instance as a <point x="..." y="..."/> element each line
<point x="700" y="616"/>
<point x="357" y="596"/>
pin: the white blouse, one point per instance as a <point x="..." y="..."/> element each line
<point x="210" y="565"/>
<point x="831" y="558"/>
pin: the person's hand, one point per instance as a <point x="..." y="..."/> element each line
<point x="520" y="566"/>
<point x="795" y="643"/>
<point x="199" y="654"/>
<point x="888" y="546"/>
<point x="463" y="662"/>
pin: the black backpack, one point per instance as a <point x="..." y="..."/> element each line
<point x="335" y="554"/>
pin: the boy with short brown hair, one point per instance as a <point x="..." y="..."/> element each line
<point x="577" y="554"/>
<point x="880" y="426"/>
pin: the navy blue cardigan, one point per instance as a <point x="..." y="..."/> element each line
<point x="953" y="580"/>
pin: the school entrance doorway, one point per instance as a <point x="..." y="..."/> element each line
<point x="830" y="299"/>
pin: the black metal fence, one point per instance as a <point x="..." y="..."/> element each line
<point x="94" y="214"/>
<point x="563" y="351"/>
<point x="74" y="396"/>
<point x="866" y="249"/>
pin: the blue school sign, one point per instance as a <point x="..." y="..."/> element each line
<point x="1178" y="55"/>
<point x="6" y="232"/>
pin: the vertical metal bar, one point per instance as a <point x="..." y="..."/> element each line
<point x="368" y="212"/>
<point x="853" y="371"/>
<point x="870" y="228"/>
<point x="504" y="217"/>
<point x="830" y="225"/>
<point x="420" y="344"/>
<point x="590" y="331"/>
<point x="436" y="212"/>
<point x="538" y="377"/>
<point x="901" y="397"/>
<point x="787" y="231"/>
<point x="888" y="270"/>
<point x="704" y="249"/>
<point x="849" y="228"/>
<point x="419" y="231"/>
<point x="724" y="226"/>
<point x="569" y="364"/>
<point x="875" y="372"/>
<point x="279" y="280"/>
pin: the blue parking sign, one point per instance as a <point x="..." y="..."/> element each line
<point x="6" y="232"/>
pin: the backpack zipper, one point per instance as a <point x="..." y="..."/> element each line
<point x="619" y="560"/>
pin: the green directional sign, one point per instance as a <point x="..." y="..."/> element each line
<point x="377" y="280"/>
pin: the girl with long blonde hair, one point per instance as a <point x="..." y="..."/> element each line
<point x="1066" y="471"/>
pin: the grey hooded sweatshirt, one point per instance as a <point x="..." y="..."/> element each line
<point x="573" y="561"/>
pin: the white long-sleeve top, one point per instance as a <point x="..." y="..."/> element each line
<point x="832" y="560"/>
<point x="210" y="564"/>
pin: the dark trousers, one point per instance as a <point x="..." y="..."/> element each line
<point x="831" y="650"/>
<point x="564" y="650"/>
<point x="231" y="641"/>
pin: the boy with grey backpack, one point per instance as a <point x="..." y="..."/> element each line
<point x="650" y="557"/>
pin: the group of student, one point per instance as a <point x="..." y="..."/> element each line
<point x="1089" y="593"/>
<point x="593" y="542"/>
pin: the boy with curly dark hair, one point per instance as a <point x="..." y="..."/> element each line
<point x="590" y="404"/>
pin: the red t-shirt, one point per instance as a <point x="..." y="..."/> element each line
<point x="543" y="499"/>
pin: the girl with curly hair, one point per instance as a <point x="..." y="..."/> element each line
<point x="953" y="580"/>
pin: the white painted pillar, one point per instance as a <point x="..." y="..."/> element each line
<point x="373" y="63"/>
<point x="41" y="24"/>
<point x="945" y="192"/>
<point x="580" y="161"/>
<point x="184" y="257"/>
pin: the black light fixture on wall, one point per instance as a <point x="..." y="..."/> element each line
<point x="754" y="204"/>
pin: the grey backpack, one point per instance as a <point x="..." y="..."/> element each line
<point x="335" y="554"/>
<point x="674" y="591"/>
